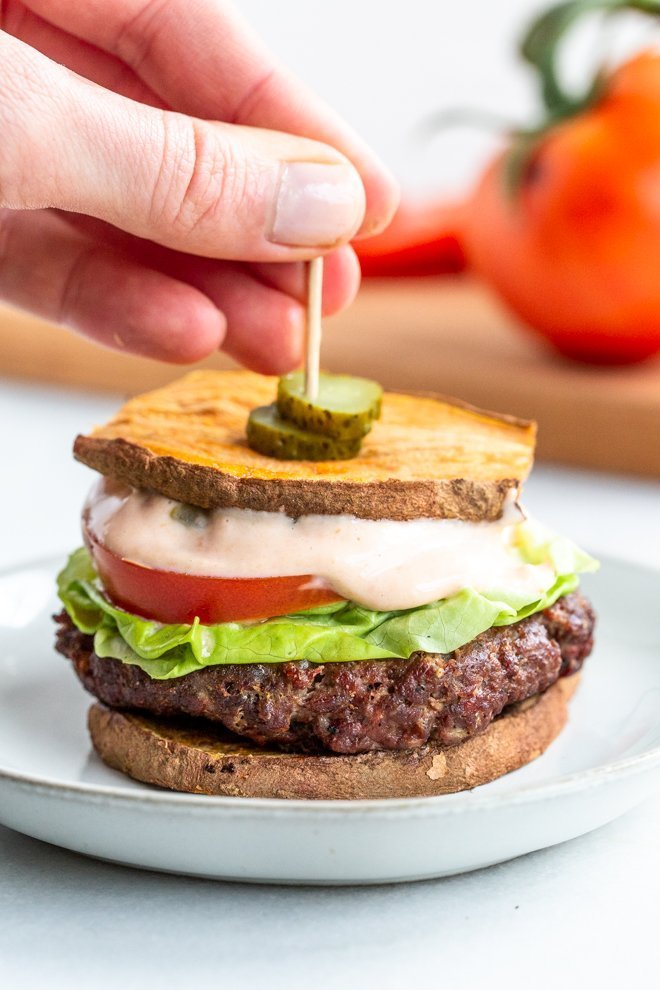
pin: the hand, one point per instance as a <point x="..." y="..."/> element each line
<point x="166" y="206"/>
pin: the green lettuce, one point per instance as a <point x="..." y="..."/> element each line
<point x="332" y="633"/>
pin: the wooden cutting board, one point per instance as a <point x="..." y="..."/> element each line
<point x="445" y="335"/>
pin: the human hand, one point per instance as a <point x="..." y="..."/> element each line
<point x="167" y="206"/>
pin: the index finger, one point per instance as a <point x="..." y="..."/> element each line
<point x="203" y="59"/>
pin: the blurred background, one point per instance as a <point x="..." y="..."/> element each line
<point x="387" y="67"/>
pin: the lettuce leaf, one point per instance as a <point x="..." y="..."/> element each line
<point x="329" y="634"/>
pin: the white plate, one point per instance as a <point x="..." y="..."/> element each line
<point x="53" y="787"/>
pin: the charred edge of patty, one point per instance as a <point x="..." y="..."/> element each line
<point x="356" y="706"/>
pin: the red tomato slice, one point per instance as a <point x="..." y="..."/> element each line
<point x="171" y="597"/>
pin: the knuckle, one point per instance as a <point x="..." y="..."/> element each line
<point x="198" y="177"/>
<point x="24" y="102"/>
<point x="14" y="176"/>
<point x="12" y="128"/>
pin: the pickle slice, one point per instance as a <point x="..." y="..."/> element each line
<point x="344" y="408"/>
<point x="269" y="434"/>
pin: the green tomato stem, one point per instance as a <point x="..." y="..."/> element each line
<point x="540" y="48"/>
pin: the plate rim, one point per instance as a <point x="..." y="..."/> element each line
<point x="440" y="804"/>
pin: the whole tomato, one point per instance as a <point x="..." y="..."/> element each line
<point x="572" y="241"/>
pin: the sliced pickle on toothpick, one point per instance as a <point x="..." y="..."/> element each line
<point x="269" y="434"/>
<point x="317" y="417"/>
<point x="344" y="406"/>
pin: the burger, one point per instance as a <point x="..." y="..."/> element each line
<point x="378" y="619"/>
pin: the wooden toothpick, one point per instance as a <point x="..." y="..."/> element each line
<point x="313" y="345"/>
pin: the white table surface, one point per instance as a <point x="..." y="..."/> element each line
<point x="582" y="913"/>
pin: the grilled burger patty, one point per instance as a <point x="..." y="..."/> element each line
<point x="361" y="706"/>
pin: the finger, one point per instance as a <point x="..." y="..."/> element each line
<point x="50" y="270"/>
<point x="106" y="296"/>
<point x="341" y="272"/>
<point x="265" y="327"/>
<point x="211" y="189"/>
<point x="203" y="59"/>
<point x="341" y="279"/>
<point x="80" y="56"/>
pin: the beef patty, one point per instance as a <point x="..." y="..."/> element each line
<point x="357" y="706"/>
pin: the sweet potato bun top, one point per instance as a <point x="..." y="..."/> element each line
<point x="427" y="456"/>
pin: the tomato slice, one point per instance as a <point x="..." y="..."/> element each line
<point x="172" y="597"/>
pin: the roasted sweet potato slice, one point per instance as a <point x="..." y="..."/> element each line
<point x="426" y="456"/>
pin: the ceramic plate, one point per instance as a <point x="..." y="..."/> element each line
<point x="53" y="787"/>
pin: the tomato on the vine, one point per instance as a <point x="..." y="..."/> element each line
<point x="574" y="248"/>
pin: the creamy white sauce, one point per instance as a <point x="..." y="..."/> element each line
<point x="384" y="565"/>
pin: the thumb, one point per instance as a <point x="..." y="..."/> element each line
<point x="208" y="188"/>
